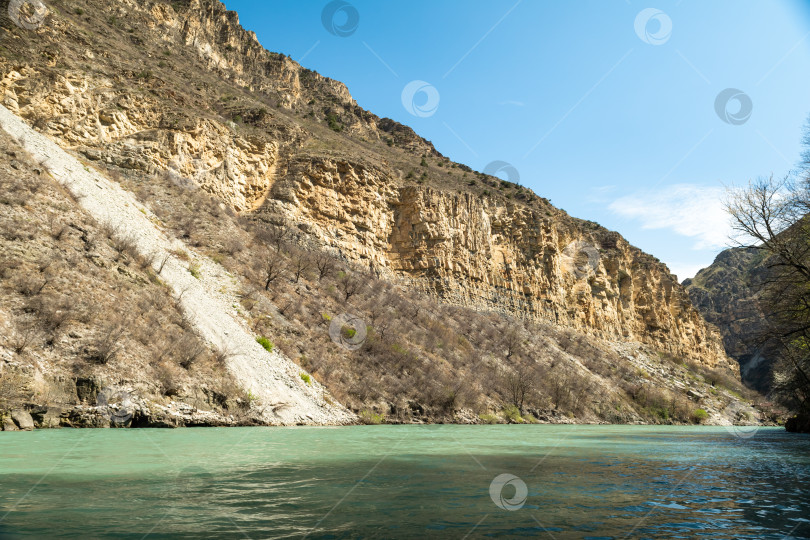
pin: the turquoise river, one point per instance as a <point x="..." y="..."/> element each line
<point x="406" y="482"/>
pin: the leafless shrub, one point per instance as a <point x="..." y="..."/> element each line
<point x="123" y="243"/>
<point x="56" y="227"/>
<point x="154" y="300"/>
<point x="168" y="380"/>
<point x="190" y="348"/>
<point x="223" y="353"/>
<point x="107" y="343"/>
<point x="289" y="304"/>
<point x="23" y="337"/>
<point x="518" y="384"/>
<point x="248" y="297"/>
<point x="349" y="285"/>
<point x="187" y="225"/>
<point x="272" y="269"/>
<point x="147" y="260"/>
<point x="274" y="235"/>
<point x="44" y="263"/>
<point x="324" y="263"/>
<point x="12" y="385"/>
<point x="181" y="254"/>
<point x="233" y="246"/>
<point x="162" y="262"/>
<point x="511" y="342"/>
<point x="186" y="321"/>
<point x="31" y="284"/>
<point x="7" y="266"/>
<point x="301" y="264"/>
<point x="54" y="314"/>
<point x="17" y="229"/>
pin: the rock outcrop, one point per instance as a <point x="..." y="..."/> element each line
<point x="22" y="419"/>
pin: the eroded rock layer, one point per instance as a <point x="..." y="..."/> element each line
<point x="285" y="144"/>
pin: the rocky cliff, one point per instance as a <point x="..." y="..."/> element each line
<point x="181" y="87"/>
<point x="727" y="294"/>
<point x="490" y="253"/>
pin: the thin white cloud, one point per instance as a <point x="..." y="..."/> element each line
<point x="601" y="194"/>
<point x="690" y="210"/>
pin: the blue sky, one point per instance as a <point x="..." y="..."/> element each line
<point x="606" y="107"/>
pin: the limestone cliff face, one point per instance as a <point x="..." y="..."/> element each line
<point x="268" y="152"/>
<point x="105" y="123"/>
<point x="235" y="54"/>
<point x="480" y="252"/>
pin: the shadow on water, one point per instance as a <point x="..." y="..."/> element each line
<point x="405" y="481"/>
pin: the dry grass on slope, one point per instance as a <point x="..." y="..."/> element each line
<point x="77" y="303"/>
<point x="421" y="360"/>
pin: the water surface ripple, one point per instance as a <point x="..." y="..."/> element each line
<point x="405" y="482"/>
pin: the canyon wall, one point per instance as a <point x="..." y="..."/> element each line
<point x="240" y="128"/>
<point x="529" y="260"/>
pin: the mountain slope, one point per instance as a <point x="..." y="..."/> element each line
<point x="201" y="287"/>
<point x="727" y="295"/>
<point x="471" y="239"/>
<point x="362" y="216"/>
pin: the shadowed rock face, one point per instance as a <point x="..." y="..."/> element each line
<point x="268" y="153"/>
<point x="727" y="295"/>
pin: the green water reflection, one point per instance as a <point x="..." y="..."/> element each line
<point x="404" y="482"/>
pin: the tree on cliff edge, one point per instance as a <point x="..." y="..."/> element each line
<point x="773" y="216"/>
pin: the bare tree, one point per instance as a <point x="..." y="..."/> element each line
<point x="518" y="384"/>
<point x="276" y="236"/>
<point x="349" y="284"/>
<point x="772" y="216"/>
<point x="559" y="385"/>
<point x="301" y="263"/>
<point x="324" y="264"/>
<point x="511" y="342"/>
<point x="382" y="327"/>
<point x="272" y="269"/>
